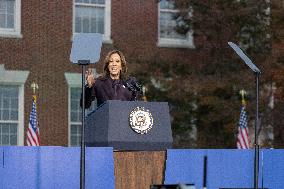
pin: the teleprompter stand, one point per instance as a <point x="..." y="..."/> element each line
<point x="86" y="49"/>
<point x="256" y="72"/>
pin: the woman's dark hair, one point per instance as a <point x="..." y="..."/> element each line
<point x="123" y="72"/>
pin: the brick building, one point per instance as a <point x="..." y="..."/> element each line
<point x="35" y="42"/>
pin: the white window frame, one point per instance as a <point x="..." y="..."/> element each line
<point x="107" y="22"/>
<point x="16" y="32"/>
<point x="173" y="43"/>
<point x="73" y="80"/>
<point x="69" y="115"/>
<point x="17" y="78"/>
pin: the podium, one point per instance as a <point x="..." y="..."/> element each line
<point x="110" y="126"/>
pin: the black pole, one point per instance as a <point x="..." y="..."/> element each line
<point x="205" y="172"/>
<point x="82" y="157"/>
<point x="262" y="169"/>
<point x="256" y="146"/>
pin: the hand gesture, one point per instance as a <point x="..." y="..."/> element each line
<point x="90" y="77"/>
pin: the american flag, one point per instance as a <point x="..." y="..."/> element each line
<point x="33" y="130"/>
<point x="243" y="138"/>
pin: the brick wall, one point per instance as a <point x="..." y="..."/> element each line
<point x="44" y="49"/>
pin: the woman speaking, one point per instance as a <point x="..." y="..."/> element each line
<point x="115" y="84"/>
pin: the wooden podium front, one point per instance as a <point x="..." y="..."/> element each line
<point x="138" y="169"/>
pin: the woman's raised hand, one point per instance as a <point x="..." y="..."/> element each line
<point x="90" y="77"/>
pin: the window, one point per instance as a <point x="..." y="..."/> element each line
<point x="167" y="36"/>
<point x="75" y="115"/>
<point x="10" y="18"/>
<point x="9" y="110"/>
<point x="92" y="16"/>
<point x="12" y="106"/>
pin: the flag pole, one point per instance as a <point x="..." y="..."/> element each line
<point x="243" y="141"/>
<point x="32" y="131"/>
<point x="34" y="87"/>
<point x="243" y="93"/>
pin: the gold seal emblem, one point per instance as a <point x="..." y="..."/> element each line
<point x="141" y="120"/>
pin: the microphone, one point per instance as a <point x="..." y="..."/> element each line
<point x="137" y="86"/>
<point x="129" y="86"/>
<point x="132" y="85"/>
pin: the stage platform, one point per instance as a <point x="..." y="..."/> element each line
<point x="59" y="167"/>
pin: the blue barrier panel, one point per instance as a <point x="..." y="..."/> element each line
<point x="1" y="167"/>
<point x="100" y="168"/>
<point x="230" y="169"/>
<point x="184" y="166"/>
<point x="55" y="167"/>
<point x="65" y="168"/>
<point x="273" y="168"/>
<point x="20" y="167"/>
<point x="225" y="168"/>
